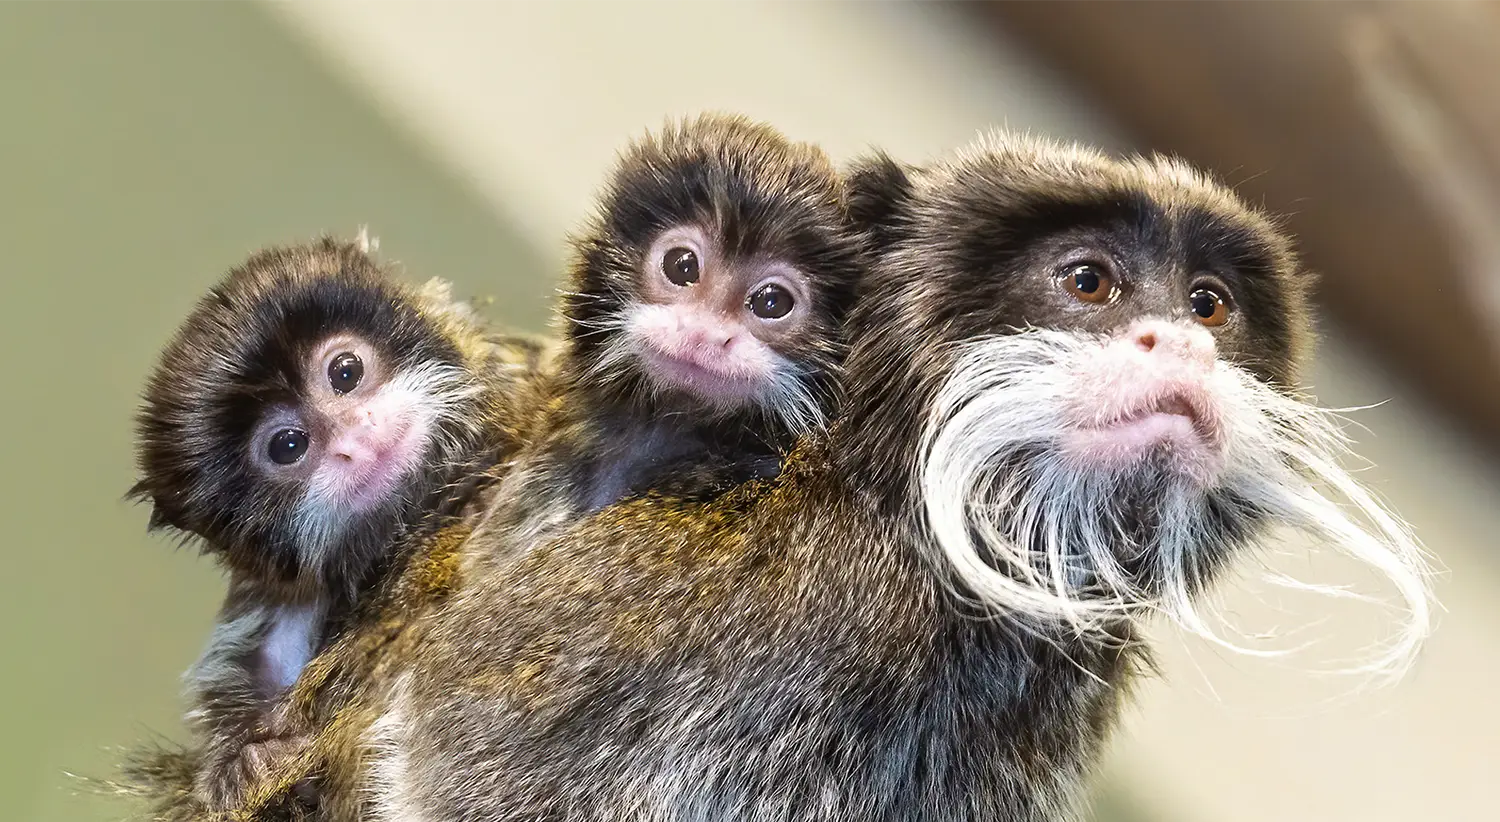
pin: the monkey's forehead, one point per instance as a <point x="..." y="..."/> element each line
<point x="1004" y="215"/>
<point x="721" y="200"/>
<point x="740" y="222"/>
<point x="727" y="167"/>
<point x="261" y="335"/>
<point x="1019" y="167"/>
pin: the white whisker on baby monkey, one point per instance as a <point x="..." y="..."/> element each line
<point x="308" y="415"/>
<point x="702" y="320"/>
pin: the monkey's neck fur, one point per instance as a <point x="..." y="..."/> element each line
<point x="611" y="442"/>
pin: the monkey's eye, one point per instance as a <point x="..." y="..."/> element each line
<point x="345" y="372"/>
<point x="771" y="302"/>
<point x="287" y="446"/>
<point x="681" y="266"/>
<point x="1209" y="306"/>
<point x="1088" y="282"/>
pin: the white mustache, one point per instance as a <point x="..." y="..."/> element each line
<point x="787" y="397"/>
<point x="1027" y="533"/>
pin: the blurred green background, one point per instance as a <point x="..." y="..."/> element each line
<point x="146" y="147"/>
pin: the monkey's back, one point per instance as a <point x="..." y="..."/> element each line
<point x="779" y="653"/>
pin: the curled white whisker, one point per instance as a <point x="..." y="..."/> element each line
<point x="1028" y="533"/>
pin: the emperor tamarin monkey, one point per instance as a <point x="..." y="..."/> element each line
<point x="310" y="412"/>
<point x="702" y="317"/>
<point x="1070" y="400"/>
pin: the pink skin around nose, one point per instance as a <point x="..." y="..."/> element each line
<point x="1148" y="391"/>
<point x="701" y="352"/>
<point x="370" y="452"/>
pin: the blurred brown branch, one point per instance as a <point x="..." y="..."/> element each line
<point x="1375" y="126"/>
<point x="1428" y="79"/>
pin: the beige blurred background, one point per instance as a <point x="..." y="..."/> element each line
<point x="145" y="148"/>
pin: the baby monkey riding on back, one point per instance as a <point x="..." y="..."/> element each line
<point x="309" y="414"/>
<point x="703" y="321"/>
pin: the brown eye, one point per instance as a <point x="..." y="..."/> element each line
<point x="1088" y="282"/>
<point x="771" y="303"/>
<point x="1209" y="307"/>
<point x="345" y="372"/>
<point x="681" y="266"/>
<point x="287" y="446"/>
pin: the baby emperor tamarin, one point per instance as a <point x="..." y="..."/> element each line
<point x="701" y="325"/>
<point x="705" y="305"/>
<point x="309" y="413"/>
<point x="1069" y="402"/>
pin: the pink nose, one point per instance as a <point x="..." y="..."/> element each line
<point x="356" y="440"/>
<point x="699" y="334"/>
<point x="1160" y="339"/>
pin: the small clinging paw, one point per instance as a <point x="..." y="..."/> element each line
<point x="259" y="759"/>
<point x="227" y="783"/>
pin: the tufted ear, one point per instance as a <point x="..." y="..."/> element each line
<point x="879" y="189"/>
<point x="143" y="492"/>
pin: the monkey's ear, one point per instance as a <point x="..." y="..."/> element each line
<point x="143" y="492"/>
<point x="139" y="492"/>
<point x="879" y="190"/>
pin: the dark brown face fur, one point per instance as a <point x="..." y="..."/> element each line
<point x="763" y="207"/>
<point x="249" y="363"/>
<point x="988" y="243"/>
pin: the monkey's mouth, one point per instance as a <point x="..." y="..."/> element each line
<point x="1179" y="422"/>
<point x="372" y="480"/>
<point x="1189" y="406"/>
<point x="706" y="377"/>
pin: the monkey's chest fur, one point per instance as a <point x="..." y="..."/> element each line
<point x="787" y="660"/>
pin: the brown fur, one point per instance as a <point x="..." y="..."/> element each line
<point x="786" y="650"/>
